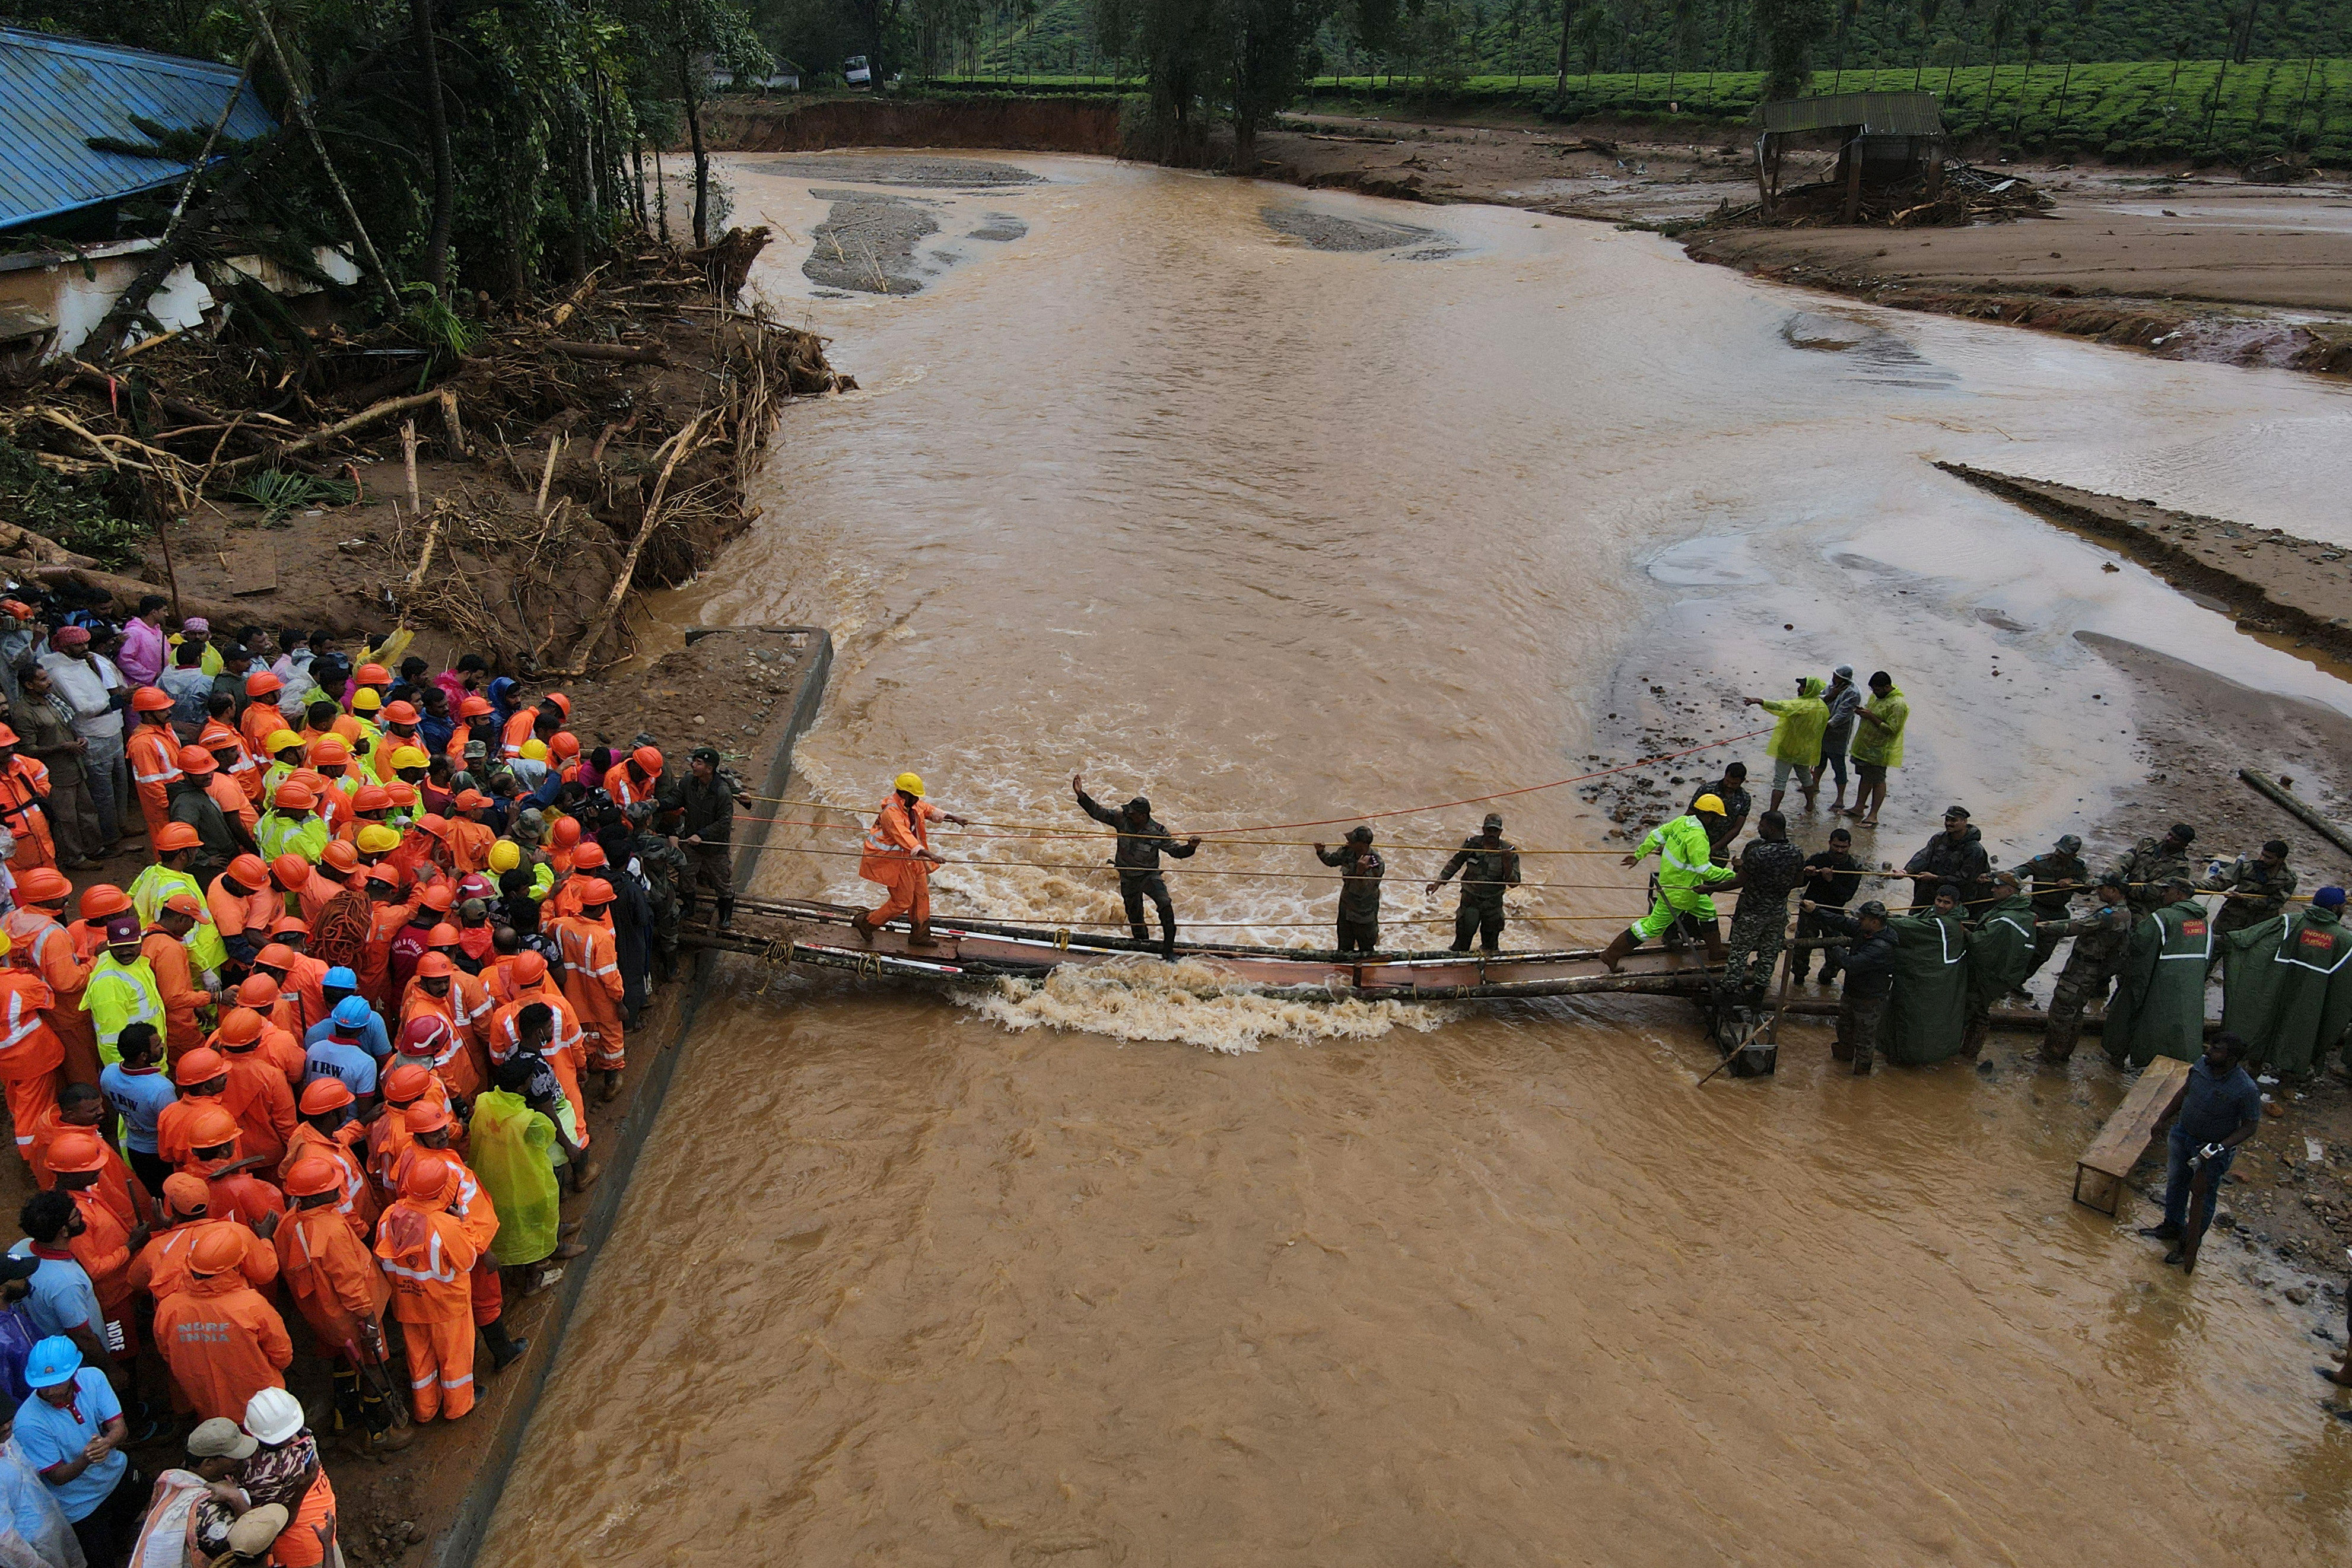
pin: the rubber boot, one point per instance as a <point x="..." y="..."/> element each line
<point x="504" y="1352"/>
<point x="863" y="927"/>
<point x="726" y="914"/>
<point x="920" y="934"/>
<point x="611" y="1087"/>
<point x="1613" y="955"/>
<point x="349" y="1411"/>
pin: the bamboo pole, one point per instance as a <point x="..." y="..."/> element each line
<point x="2300" y="812"/>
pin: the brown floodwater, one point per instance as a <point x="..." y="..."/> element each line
<point x="1139" y="1270"/>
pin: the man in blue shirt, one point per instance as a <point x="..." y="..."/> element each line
<point x="137" y="1089"/>
<point x="2222" y="1106"/>
<point x="339" y="986"/>
<point x="60" y="1301"/>
<point x="338" y="1052"/>
<point x="73" y="1432"/>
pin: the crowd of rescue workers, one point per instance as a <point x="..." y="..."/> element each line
<point x="321" y="1063"/>
<point x="332" y="1044"/>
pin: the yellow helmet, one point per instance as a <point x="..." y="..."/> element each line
<point x="5" y="944"/>
<point x="911" y="784"/>
<point x="365" y="700"/>
<point x="505" y="856"/>
<point x="535" y="750"/>
<point x="376" y="839"/>
<point x="410" y="756"/>
<point x="1711" y="804"/>
<point x="280" y="740"/>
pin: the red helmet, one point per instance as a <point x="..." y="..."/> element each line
<point x="427" y="1033"/>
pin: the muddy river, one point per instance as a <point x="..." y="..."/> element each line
<point x="1280" y="507"/>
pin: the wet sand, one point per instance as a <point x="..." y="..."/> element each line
<point x="2194" y="265"/>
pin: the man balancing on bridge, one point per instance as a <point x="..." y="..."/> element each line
<point x="898" y="855"/>
<point x="1684" y="873"/>
<point x="1141" y="841"/>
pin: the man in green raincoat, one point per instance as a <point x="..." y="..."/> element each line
<point x="2287" y="987"/>
<point x="2001" y="950"/>
<point x="511" y="1142"/>
<point x="1684" y="873"/>
<point x="1877" y="746"/>
<point x="1926" y="1019"/>
<point x="2160" y="1003"/>
<point x="1796" y="743"/>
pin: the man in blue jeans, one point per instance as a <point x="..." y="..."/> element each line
<point x="2221" y="1106"/>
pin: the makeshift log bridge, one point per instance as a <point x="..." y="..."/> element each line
<point x="792" y="931"/>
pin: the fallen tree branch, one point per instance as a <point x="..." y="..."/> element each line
<point x="621" y="353"/>
<point x="586" y="647"/>
<point x="341" y="427"/>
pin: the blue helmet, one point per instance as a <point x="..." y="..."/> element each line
<point x="353" y="1012"/>
<point x="53" y="1360"/>
<point x="342" y="979"/>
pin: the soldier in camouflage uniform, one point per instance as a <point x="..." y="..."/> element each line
<point x="1771" y="867"/>
<point x="2057" y="879"/>
<point x="1489" y="865"/>
<point x="2152" y="864"/>
<point x="2100" y="939"/>
<point x="666" y="870"/>
<point x="2258" y="887"/>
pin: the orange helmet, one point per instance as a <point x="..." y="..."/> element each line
<point x="322" y="1095"/>
<point x="434" y="966"/>
<point x="588" y="856"/>
<point x="425" y="1116"/>
<point x="343" y="856"/>
<point x="277" y="956"/>
<point x="43" y="884"/>
<point x="238" y="1026"/>
<point x="406" y="1083"/>
<point x="400" y="712"/>
<point x="328" y="751"/>
<point x="261" y="683"/>
<point x="439" y="897"/>
<point x="429" y="1179"/>
<point x="567" y="833"/>
<point x="373" y="675"/>
<point x="293" y="797"/>
<point x="475" y="707"/>
<point x="101" y="901"/>
<point x="249" y="873"/>
<point x="372" y="798"/>
<point x="563" y="744"/>
<point x="74" y="1151"/>
<point x="289" y="870"/>
<point x="594" y="891"/>
<point x="442" y="935"/>
<point x="213" y="1123"/>
<point x="174" y="837"/>
<point x="148" y="699"/>
<point x="200" y="1066"/>
<point x="313" y="1176"/>
<point x="216" y="1251"/>
<point x="558" y="702"/>
<point x="187" y="1194"/>
<point x="258" y="990"/>
<point x="648" y="759"/>
<point x="196" y="759"/>
<point x="434" y="823"/>
<point x="528" y="969"/>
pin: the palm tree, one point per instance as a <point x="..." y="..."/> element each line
<point x="2083" y="9"/>
<point x="2003" y="15"/>
<point x="2034" y="33"/>
<point x="1927" y="10"/>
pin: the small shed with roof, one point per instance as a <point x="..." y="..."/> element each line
<point x="1881" y="138"/>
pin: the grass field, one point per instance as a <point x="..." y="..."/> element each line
<point x="2139" y="111"/>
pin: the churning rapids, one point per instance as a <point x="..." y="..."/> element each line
<point x="1150" y="483"/>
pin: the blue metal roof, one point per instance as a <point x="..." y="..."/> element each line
<point x="56" y="93"/>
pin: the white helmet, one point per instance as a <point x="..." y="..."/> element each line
<point x="273" y="1416"/>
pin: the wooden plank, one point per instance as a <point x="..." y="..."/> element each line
<point x="2303" y="813"/>
<point x="2099" y="1174"/>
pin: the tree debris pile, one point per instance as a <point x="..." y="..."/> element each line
<point x="506" y="480"/>
<point x="1968" y="195"/>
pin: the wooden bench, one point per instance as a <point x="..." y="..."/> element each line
<point x="2099" y="1174"/>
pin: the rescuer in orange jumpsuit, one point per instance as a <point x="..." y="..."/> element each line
<point x="430" y="1254"/>
<point x="899" y="856"/>
<point x="199" y="1075"/>
<point x="181" y="1220"/>
<point x="39" y="941"/>
<point x="154" y="754"/>
<point x="259" y="993"/>
<point x="23" y="783"/>
<point x="592" y="981"/>
<point x="30" y="1051"/>
<point x="230" y="1192"/>
<point x="385" y="917"/>
<point x="565" y="1048"/>
<point x="258" y="1096"/>
<point x="328" y="1131"/>
<point x="543" y="719"/>
<point x="175" y="982"/>
<point x="223" y="1342"/>
<point x="636" y="778"/>
<point x="244" y="903"/>
<point x="340" y="1292"/>
<point x="112" y="1231"/>
<point x="431" y="1129"/>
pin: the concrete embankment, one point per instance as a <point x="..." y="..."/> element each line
<point x="1026" y="124"/>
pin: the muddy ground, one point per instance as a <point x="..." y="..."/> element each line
<point x="2190" y="264"/>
